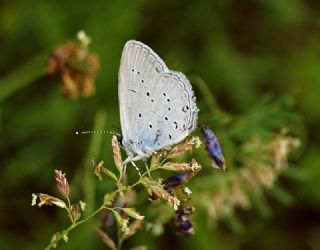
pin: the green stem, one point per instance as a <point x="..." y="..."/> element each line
<point x="75" y="224"/>
<point x="119" y="236"/>
<point x="23" y="75"/>
<point x="140" y="179"/>
<point x="146" y="173"/>
<point x="69" y="210"/>
<point x="94" y="151"/>
<point x="210" y="100"/>
<point x="72" y="226"/>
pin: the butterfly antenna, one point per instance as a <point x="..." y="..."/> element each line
<point x="97" y="132"/>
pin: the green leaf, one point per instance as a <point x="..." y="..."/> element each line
<point x="133" y="213"/>
<point x="110" y="174"/>
<point x="108" y="198"/>
<point x="123" y="223"/>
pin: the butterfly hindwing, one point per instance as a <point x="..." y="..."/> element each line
<point x="166" y="112"/>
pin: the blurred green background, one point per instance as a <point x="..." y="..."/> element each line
<point x="244" y="50"/>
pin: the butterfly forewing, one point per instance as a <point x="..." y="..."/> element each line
<point x="139" y="65"/>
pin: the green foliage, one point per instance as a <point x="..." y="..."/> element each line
<point x="255" y="69"/>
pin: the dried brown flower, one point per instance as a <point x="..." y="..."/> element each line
<point x="139" y="248"/>
<point x="155" y="188"/>
<point x="237" y="196"/>
<point x="185" y="146"/>
<point x="281" y="146"/>
<point x="99" y="168"/>
<point x="266" y="175"/>
<point x="76" y="211"/>
<point x="249" y="178"/>
<point x="175" y="166"/>
<point x="62" y="183"/>
<point x="45" y="199"/>
<point x="123" y="223"/>
<point x="117" y="154"/>
<point x="106" y="239"/>
<point x="133" y="213"/>
<point x="76" y="68"/>
<point x="133" y="228"/>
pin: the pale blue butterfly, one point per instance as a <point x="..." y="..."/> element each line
<point x="157" y="105"/>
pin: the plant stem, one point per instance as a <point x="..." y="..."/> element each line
<point x="69" y="210"/>
<point x="119" y="236"/>
<point x="72" y="226"/>
<point x="210" y="100"/>
<point x="94" y="147"/>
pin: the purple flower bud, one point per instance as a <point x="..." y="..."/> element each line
<point x="174" y="181"/>
<point x="185" y="225"/>
<point x="213" y="148"/>
<point x="182" y="222"/>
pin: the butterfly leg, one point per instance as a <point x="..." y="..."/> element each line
<point x="154" y="152"/>
<point x="124" y="169"/>
<point x="135" y="166"/>
<point x="147" y="168"/>
<point x="125" y="163"/>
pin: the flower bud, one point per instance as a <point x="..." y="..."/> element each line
<point x="182" y="222"/>
<point x="45" y="199"/>
<point x="184" y="147"/>
<point x="117" y="154"/>
<point x="62" y="183"/>
<point x="213" y="148"/>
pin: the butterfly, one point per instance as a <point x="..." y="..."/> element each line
<point x="157" y="105"/>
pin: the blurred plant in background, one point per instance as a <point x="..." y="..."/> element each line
<point x="76" y="67"/>
<point x="259" y="91"/>
<point x="257" y="163"/>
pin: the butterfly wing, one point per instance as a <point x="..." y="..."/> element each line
<point x="166" y="112"/>
<point x="139" y="65"/>
<point x="157" y="106"/>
